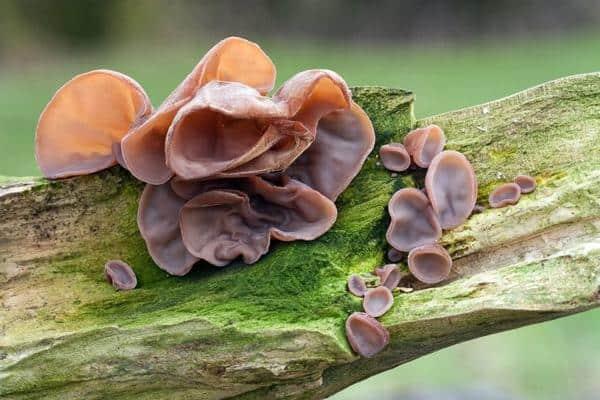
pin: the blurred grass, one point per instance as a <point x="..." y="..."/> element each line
<point x="556" y="360"/>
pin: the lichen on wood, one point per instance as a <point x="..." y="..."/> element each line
<point x="276" y="329"/>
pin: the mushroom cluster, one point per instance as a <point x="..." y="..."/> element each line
<point x="510" y="193"/>
<point x="227" y="167"/>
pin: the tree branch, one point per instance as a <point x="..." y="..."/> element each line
<point x="275" y="329"/>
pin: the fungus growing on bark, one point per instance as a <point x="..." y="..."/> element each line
<point x="394" y="157"/>
<point x="366" y="335"/>
<point x="424" y="144"/>
<point x="378" y="301"/>
<point x="451" y="186"/>
<point x="430" y="263"/>
<point x="526" y="183"/>
<point x="504" y="195"/>
<point x="120" y="275"/>
<point x="413" y="221"/>
<point x="394" y="255"/>
<point x="357" y="286"/>
<point x="389" y="275"/>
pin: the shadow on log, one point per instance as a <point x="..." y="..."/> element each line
<point x="276" y="329"/>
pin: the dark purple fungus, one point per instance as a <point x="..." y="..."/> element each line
<point x="366" y="335"/>
<point x="394" y="255"/>
<point x="430" y="263"/>
<point x="120" y="275"/>
<point x="357" y="286"/>
<point x="394" y="157"/>
<point x="526" y="183"/>
<point x="424" y="144"/>
<point x="378" y="301"/>
<point x="451" y="187"/>
<point x="389" y="275"/>
<point x="413" y="221"/>
<point x="504" y="195"/>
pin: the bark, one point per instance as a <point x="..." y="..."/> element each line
<point x="276" y="329"/>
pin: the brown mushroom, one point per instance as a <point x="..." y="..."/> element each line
<point x="424" y="144"/>
<point x="120" y="275"/>
<point x="389" y="275"/>
<point x="158" y="221"/>
<point x="80" y="129"/>
<point x="430" y="263"/>
<point x="526" y="183"/>
<point x="357" y="286"/>
<point x="366" y="335"/>
<point x="451" y="187"/>
<point x="378" y="301"/>
<point x="394" y="255"/>
<point x="413" y="221"/>
<point x="504" y="195"/>
<point x="232" y="60"/>
<point x="394" y="157"/>
<point x="220" y="225"/>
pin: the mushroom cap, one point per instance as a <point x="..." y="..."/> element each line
<point x="394" y="157"/>
<point x="366" y="335"/>
<point x="394" y="255"/>
<point x="423" y="144"/>
<point x="120" y="275"/>
<point x="430" y="263"/>
<point x="86" y="117"/>
<point x="220" y="225"/>
<point x="413" y="221"/>
<point x="526" y="183"/>
<point x="504" y="195"/>
<point x="378" y="301"/>
<point x="451" y="186"/>
<point x="389" y="275"/>
<point x="357" y="286"/>
<point x="158" y="221"/>
<point x="232" y="60"/>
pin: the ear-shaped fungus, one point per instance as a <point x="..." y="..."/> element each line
<point x="413" y="221"/>
<point x="424" y="144"/>
<point x="503" y="195"/>
<point x="389" y="275"/>
<point x="394" y="255"/>
<point x="366" y="335"/>
<point x="378" y="301"/>
<point x="233" y="60"/>
<point x="357" y="286"/>
<point x="429" y="263"/>
<point x="81" y="127"/>
<point x="394" y="157"/>
<point x="220" y="225"/>
<point x="526" y="183"/>
<point x="120" y="275"/>
<point x="451" y="187"/>
<point x="158" y="221"/>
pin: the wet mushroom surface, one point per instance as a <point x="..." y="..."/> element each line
<point x="378" y="301"/>
<point x="389" y="275"/>
<point x="430" y="263"/>
<point x="504" y="195"/>
<point x="357" y="286"/>
<point x="526" y="183"/>
<point x="394" y="157"/>
<point x="366" y="335"/>
<point x="423" y="144"/>
<point x="120" y="275"/>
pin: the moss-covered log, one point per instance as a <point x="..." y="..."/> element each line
<point x="275" y="329"/>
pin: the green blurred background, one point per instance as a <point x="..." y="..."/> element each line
<point x="450" y="53"/>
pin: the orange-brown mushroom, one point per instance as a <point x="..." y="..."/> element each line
<point x="220" y="225"/>
<point x="389" y="275"/>
<point x="430" y="263"/>
<point x="366" y="335"/>
<point x="451" y="186"/>
<point x="423" y="144"/>
<point x="504" y="195"/>
<point x="357" y="286"/>
<point x="413" y="221"/>
<point x="120" y="275"/>
<point x="394" y="157"/>
<point x="80" y="129"/>
<point x="526" y="183"/>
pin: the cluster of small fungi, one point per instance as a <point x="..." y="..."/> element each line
<point x="227" y="168"/>
<point x="510" y="193"/>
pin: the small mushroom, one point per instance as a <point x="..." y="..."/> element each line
<point x="424" y="144"/>
<point x="413" y="221"/>
<point x="394" y="157"/>
<point x="357" y="286"/>
<point x="451" y="187"/>
<point x="378" y="301"/>
<point x="389" y="275"/>
<point x="366" y="335"/>
<point x="505" y="194"/>
<point x="120" y="275"/>
<point x="429" y="263"/>
<point x="394" y="255"/>
<point x="526" y="183"/>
